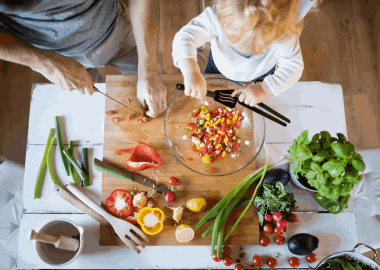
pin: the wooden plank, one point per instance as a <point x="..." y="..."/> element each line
<point x="335" y="232"/>
<point x="81" y="116"/>
<point x="124" y="134"/>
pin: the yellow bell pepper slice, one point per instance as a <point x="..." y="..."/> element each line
<point x="218" y="121"/>
<point x="204" y="107"/>
<point x="224" y="153"/>
<point x="234" y="118"/>
<point x="149" y="211"/>
<point x="228" y="121"/>
<point x="225" y="139"/>
<point x="206" y="159"/>
<point x="207" y="116"/>
<point x="218" y="146"/>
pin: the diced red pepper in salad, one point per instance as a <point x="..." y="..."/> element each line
<point x="128" y="117"/>
<point x="214" y="132"/>
<point x="119" y="203"/>
<point x="110" y="112"/>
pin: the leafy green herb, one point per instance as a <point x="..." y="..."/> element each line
<point x="151" y="192"/>
<point x="186" y="129"/>
<point x="237" y="137"/>
<point x="345" y="263"/>
<point x="330" y="164"/>
<point x="274" y="199"/>
<point x="198" y="125"/>
<point x="132" y="193"/>
<point x="277" y="254"/>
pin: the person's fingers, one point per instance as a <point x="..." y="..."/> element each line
<point x="252" y="103"/>
<point x="247" y="101"/>
<point x="237" y="91"/>
<point x="164" y="104"/>
<point x="88" y="88"/>
<point x="188" y="90"/>
<point x="242" y="96"/>
<point x="153" y="110"/>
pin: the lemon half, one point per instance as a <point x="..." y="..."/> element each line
<point x="184" y="233"/>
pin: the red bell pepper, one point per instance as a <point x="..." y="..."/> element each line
<point x="143" y="157"/>
<point x="120" y="203"/>
<point x="123" y="151"/>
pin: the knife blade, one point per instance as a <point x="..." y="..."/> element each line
<point x="129" y="176"/>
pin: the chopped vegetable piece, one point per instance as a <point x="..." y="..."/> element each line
<point x="132" y="193"/>
<point x="190" y="158"/>
<point x="71" y="167"/>
<point x="123" y="151"/>
<point x="60" y="146"/>
<point x="212" y="169"/>
<point x="115" y="119"/>
<point x="110" y="112"/>
<point x="186" y="129"/>
<point x="128" y="117"/>
<point x="42" y="165"/>
<point x="81" y="173"/>
<point x="142" y="157"/>
<point x="174" y="190"/>
<point x="119" y="203"/>
<point x="85" y="167"/>
<point x="52" y="175"/>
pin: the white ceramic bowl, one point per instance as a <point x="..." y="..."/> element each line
<point x="58" y="257"/>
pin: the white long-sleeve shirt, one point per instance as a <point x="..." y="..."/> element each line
<point x="206" y="28"/>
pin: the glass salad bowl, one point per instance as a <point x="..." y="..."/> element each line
<point x="179" y="114"/>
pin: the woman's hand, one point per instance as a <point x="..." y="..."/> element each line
<point x="195" y="83"/>
<point x="67" y="73"/>
<point x="251" y="94"/>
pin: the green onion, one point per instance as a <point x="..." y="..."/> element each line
<point x="71" y="167"/>
<point x="85" y="167"/>
<point x="237" y="137"/>
<point x="242" y="202"/>
<point x="186" y="129"/>
<point x="42" y="165"/>
<point x="198" y="125"/>
<point x="81" y="173"/>
<point x="60" y="146"/>
<point x="55" y="180"/>
<point x="132" y="193"/>
<point x="216" y="225"/>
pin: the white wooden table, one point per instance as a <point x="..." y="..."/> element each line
<point x="310" y="105"/>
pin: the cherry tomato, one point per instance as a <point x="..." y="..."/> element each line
<point x="215" y="257"/>
<point x="238" y="267"/>
<point x="311" y="258"/>
<point x="194" y="148"/>
<point x="257" y="261"/>
<point x="272" y="262"/>
<point x="226" y="250"/>
<point x="190" y="158"/>
<point x="227" y="261"/>
<point x="294" y="262"/>
<point x="212" y="169"/>
<point x="174" y="181"/>
<point x="280" y="240"/>
<point x="268" y="228"/>
<point x="277" y="231"/>
<point x="264" y="241"/>
<point x="191" y="127"/>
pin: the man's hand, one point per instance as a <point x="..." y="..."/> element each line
<point x="151" y="93"/>
<point x="67" y="73"/>
<point x="251" y="94"/>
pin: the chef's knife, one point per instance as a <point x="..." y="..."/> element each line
<point x="129" y="176"/>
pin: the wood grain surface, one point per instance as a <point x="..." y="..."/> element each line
<point x="124" y="134"/>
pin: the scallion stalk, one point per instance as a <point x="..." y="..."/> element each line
<point x="60" y="146"/>
<point x="72" y="160"/>
<point x="85" y="168"/>
<point x="71" y="167"/>
<point x="42" y="165"/>
<point x="55" y="180"/>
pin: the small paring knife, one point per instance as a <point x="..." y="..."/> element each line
<point x="129" y="176"/>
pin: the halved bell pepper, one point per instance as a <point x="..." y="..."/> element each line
<point x="119" y="203"/>
<point x="149" y="214"/>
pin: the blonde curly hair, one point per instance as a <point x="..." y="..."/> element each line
<point x="252" y="25"/>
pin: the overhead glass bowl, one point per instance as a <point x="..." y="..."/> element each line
<point x="178" y="115"/>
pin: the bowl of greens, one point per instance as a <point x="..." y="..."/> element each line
<point x="349" y="260"/>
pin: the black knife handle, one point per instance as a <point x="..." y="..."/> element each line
<point x="181" y="87"/>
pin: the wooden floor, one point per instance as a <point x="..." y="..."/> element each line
<point x="340" y="43"/>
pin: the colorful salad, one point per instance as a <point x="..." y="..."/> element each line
<point x="214" y="132"/>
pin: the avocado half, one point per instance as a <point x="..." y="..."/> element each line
<point x="273" y="176"/>
<point x="303" y="243"/>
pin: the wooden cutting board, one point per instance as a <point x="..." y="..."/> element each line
<point x="125" y="134"/>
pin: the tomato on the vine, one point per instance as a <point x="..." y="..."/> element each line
<point x="311" y="258"/>
<point x="226" y="250"/>
<point x="280" y="240"/>
<point x="238" y="267"/>
<point x="268" y="228"/>
<point x="227" y="261"/>
<point x="294" y="262"/>
<point x="215" y="257"/>
<point x="272" y="262"/>
<point x="264" y="241"/>
<point x="277" y="231"/>
<point x="257" y="261"/>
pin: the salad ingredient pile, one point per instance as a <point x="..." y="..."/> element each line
<point x="214" y="132"/>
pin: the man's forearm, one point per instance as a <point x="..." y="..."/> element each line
<point x="14" y="49"/>
<point x="145" y="18"/>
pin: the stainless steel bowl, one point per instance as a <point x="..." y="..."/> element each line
<point x="357" y="256"/>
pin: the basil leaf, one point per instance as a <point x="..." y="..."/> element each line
<point x="341" y="137"/>
<point x="303" y="153"/>
<point x="337" y="171"/>
<point x="358" y="164"/>
<point x="261" y="217"/>
<point x="315" y="166"/>
<point x="325" y="135"/>
<point x="335" y="193"/>
<point x="340" y="150"/>
<point x="296" y="166"/>
<point x="330" y="165"/>
<point x="333" y="139"/>
<point x="315" y="138"/>
<point x="319" y="157"/>
<point x="350" y="177"/>
<point x="321" y="178"/>
<point x="358" y="179"/>
<point x="326" y="145"/>
<point x="303" y="138"/>
<point x="337" y="180"/>
<point x="358" y="156"/>
<point x="311" y="175"/>
<point x="346" y="189"/>
<point x="350" y="148"/>
<point x="317" y="146"/>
